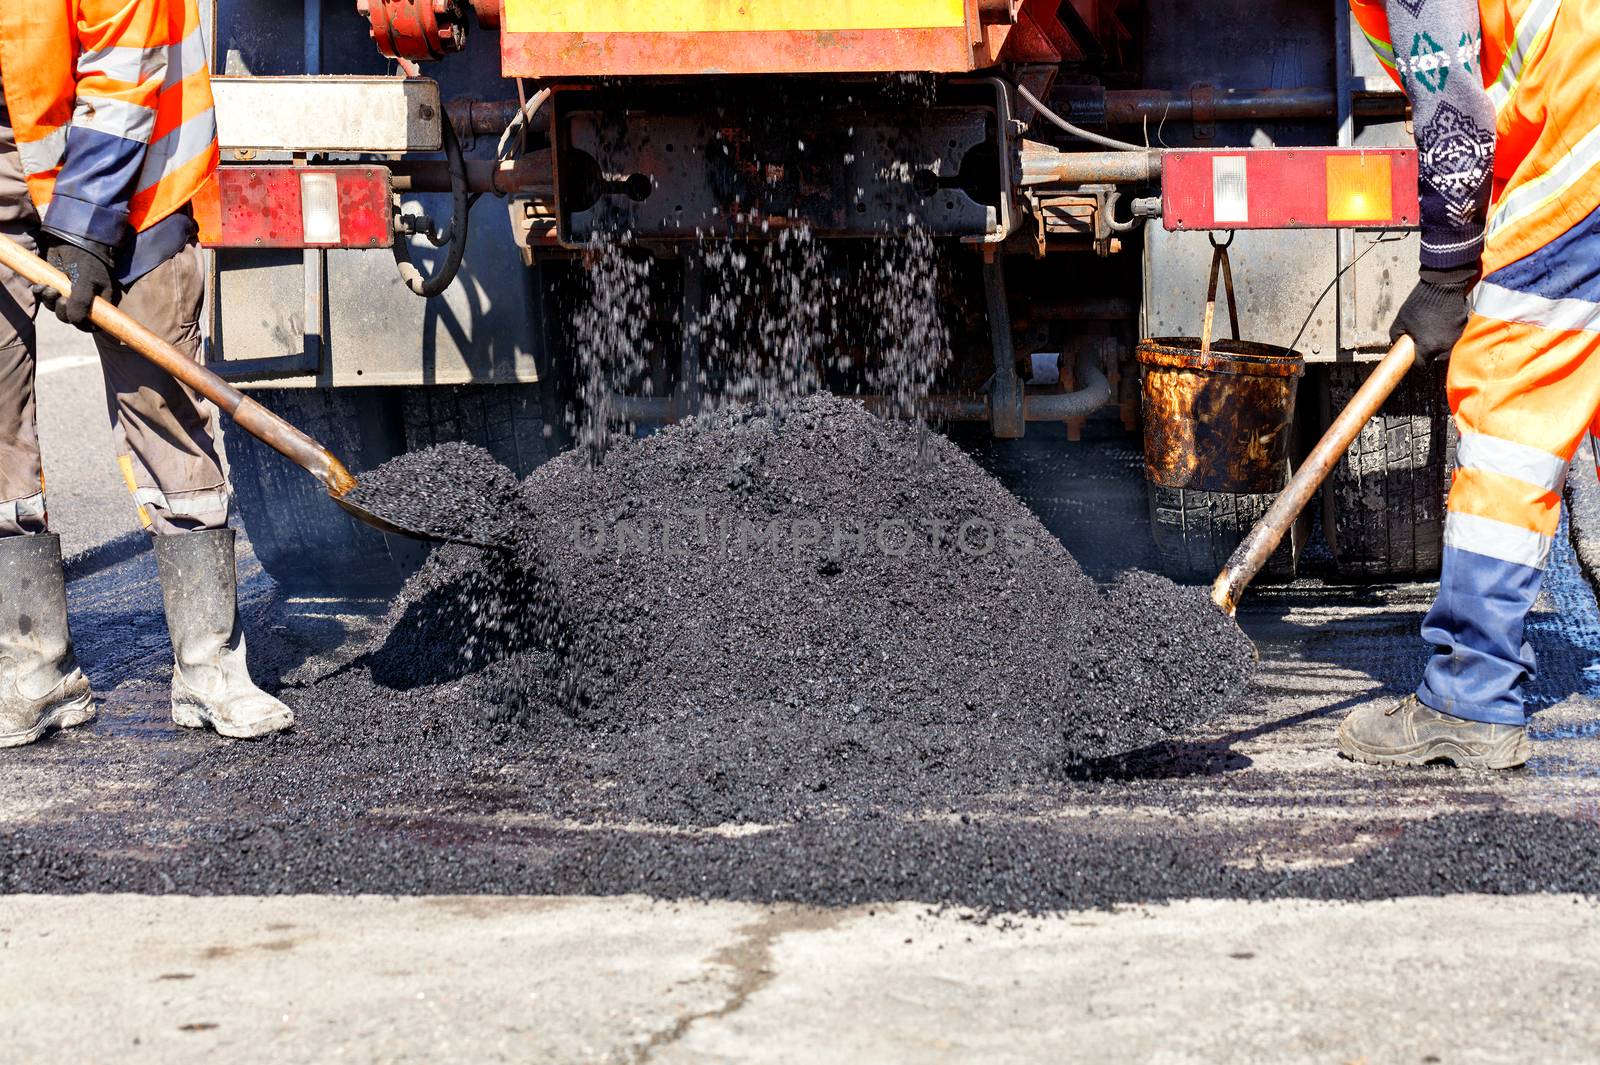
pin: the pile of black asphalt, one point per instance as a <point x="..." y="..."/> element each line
<point x="796" y="653"/>
<point x="773" y="612"/>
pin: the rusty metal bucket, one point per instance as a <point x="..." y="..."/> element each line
<point x="1217" y="413"/>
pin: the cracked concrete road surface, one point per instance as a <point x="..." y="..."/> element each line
<point x="303" y="978"/>
<point x="565" y="980"/>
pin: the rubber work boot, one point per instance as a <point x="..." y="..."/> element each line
<point x="41" y="686"/>
<point x="211" y="684"/>
<point x="1410" y="733"/>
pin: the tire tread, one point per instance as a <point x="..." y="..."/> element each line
<point x="1384" y="503"/>
<point x="1195" y="532"/>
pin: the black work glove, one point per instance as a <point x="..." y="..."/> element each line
<point x="90" y="273"/>
<point x="1435" y="314"/>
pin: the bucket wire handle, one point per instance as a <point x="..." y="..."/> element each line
<point x="1219" y="264"/>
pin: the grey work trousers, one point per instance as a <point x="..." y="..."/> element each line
<point x="164" y="433"/>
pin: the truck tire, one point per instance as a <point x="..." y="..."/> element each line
<point x="301" y="538"/>
<point x="1195" y="532"/>
<point x="1384" y="503"/>
<point x="311" y="547"/>
<point x="508" y="421"/>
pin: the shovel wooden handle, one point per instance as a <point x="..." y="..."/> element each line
<point x="1254" y="550"/>
<point x="246" y="413"/>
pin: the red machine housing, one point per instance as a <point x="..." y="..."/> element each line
<point x="417" y="30"/>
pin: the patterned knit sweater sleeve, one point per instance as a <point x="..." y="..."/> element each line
<point x="1437" y="45"/>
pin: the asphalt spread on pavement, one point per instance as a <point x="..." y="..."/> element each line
<point x="718" y="665"/>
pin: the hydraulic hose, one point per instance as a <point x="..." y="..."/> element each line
<point x="455" y="233"/>
<point x="1077" y="131"/>
<point x="525" y="114"/>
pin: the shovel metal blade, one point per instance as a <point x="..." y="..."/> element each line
<point x="378" y="521"/>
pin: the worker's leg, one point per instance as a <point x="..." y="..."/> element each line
<point x="41" y="686"/>
<point x="21" y="476"/>
<point x="166" y="435"/>
<point x="1524" y="397"/>
<point x="164" y="432"/>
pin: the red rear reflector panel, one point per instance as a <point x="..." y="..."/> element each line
<point x="1289" y="188"/>
<point x="296" y="207"/>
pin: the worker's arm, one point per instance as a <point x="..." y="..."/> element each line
<point x="123" y="61"/>
<point x="1437" y="46"/>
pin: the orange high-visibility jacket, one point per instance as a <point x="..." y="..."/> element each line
<point x="110" y="102"/>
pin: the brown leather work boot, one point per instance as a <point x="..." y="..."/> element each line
<point x="1409" y="733"/>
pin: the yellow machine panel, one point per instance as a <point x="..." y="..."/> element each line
<point x="670" y="37"/>
<point x="722" y="16"/>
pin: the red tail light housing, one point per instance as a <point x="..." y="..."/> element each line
<point x="296" y="207"/>
<point x="1290" y="188"/>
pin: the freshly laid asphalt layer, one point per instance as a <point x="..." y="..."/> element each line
<point x="471" y="752"/>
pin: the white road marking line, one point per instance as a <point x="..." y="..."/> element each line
<point x="65" y="362"/>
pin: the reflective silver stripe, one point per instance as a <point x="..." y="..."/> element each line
<point x="183" y="144"/>
<point x="1383" y="49"/>
<point x="1534" y="22"/>
<point x="132" y="65"/>
<point x="119" y="118"/>
<point x="1496" y="539"/>
<point x="198" y="504"/>
<point x="173" y="62"/>
<point x="45" y="153"/>
<point x="183" y="504"/>
<point x="1508" y="305"/>
<point x="22" y="515"/>
<point x="1529" y="197"/>
<point x="150" y="497"/>
<point x="185" y="58"/>
<point x="1480" y="451"/>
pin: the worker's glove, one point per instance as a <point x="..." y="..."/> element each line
<point x="1435" y="314"/>
<point x="90" y="273"/>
